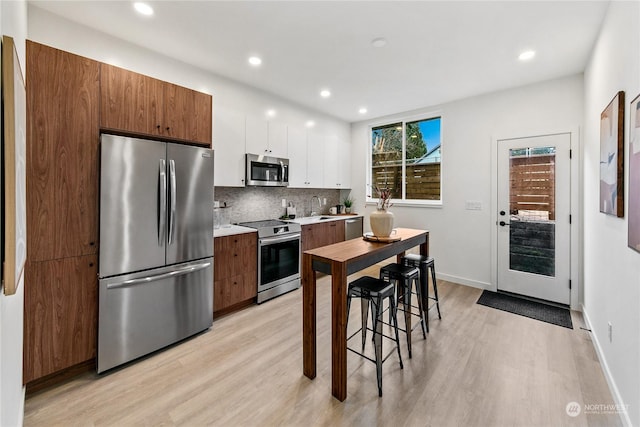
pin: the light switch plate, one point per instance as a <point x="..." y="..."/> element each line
<point x="473" y="205"/>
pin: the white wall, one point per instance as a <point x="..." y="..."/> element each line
<point x="55" y="31"/>
<point x="460" y="239"/>
<point x="13" y="22"/>
<point x="611" y="269"/>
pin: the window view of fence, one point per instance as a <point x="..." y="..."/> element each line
<point x="416" y="151"/>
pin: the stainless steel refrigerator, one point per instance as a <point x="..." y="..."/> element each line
<point x="156" y="246"/>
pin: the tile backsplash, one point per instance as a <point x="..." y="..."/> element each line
<point x="258" y="203"/>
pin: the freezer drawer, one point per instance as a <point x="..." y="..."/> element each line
<point x="143" y="312"/>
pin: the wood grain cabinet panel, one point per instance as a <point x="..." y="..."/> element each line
<point x="130" y="101"/>
<point x="188" y="114"/>
<point x="142" y="105"/>
<point x="322" y="234"/>
<point x="60" y="321"/>
<point x="235" y="270"/>
<point x="62" y="153"/>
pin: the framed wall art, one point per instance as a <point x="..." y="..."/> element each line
<point x="634" y="175"/>
<point x="612" y="157"/>
<point x="14" y="139"/>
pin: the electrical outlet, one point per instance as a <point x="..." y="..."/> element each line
<point x="324" y="201"/>
<point x="284" y="203"/>
<point x="610" y="331"/>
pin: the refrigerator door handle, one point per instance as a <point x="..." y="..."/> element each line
<point x="147" y="279"/>
<point x="172" y="200"/>
<point x="162" y="211"/>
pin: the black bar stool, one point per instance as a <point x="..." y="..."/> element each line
<point x="404" y="277"/>
<point x="425" y="263"/>
<point x="374" y="291"/>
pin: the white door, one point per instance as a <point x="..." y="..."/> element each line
<point x="534" y="231"/>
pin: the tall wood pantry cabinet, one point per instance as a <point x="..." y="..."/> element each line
<point x="63" y="95"/>
<point x="69" y="100"/>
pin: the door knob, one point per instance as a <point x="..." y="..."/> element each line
<point x="502" y="223"/>
<point x="503" y="213"/>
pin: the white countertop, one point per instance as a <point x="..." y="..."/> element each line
<point x="230" y="231"/>
<point x="323" y="218"/>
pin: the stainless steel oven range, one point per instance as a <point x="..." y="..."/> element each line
<point x="278" y="257"/>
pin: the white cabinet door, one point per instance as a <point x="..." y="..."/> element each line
<point x="297" y="143"/>
<point x="257" y="134"/>
<point x="344" y="164"/>
<point x="315" y="162"/>
<point x="331" y="168"/>
<point x="229" y="147"/>
<point x="277" y="140"/>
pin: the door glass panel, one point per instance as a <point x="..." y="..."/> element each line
<point x="532" y="207"/>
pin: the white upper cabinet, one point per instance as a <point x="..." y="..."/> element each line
<point x="305" y="159"/>
<point x="314" y="161"/>
<point x="266" y="137"/>
<point x="257" y="135"/>
<point x="337" y="163"/>
<point x="229" y="147"/>
<point x="277" y="139"/>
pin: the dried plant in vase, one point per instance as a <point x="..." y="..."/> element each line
<point x="381" y="220"/>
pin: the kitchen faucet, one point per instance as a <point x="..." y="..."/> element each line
<point x="314" y="213"/>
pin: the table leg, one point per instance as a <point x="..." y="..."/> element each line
<point x="308" y="317"/>
<point x="339" y="330"/>
<point x="424" y="246"/>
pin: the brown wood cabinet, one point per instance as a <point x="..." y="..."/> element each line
<point x="62" y="153"/>
<point x="139" y="104"/>
<point x="235" y="271"/>
<point x="322" y="234"/>
<point x="60" y="322"/>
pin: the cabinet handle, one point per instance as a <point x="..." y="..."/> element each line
<point x="158" y="127"/>
<point x="235" y="254"/>
<point x="92" y="243"/>
<point x="90" y="264"/>
<point x="168" y="129"/>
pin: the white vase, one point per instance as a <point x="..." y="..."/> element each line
<point x="381" y="222"/>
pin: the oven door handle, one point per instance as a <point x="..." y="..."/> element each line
<point x="271" y="240"/>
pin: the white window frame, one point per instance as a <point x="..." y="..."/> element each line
<point x="371" y="198"/>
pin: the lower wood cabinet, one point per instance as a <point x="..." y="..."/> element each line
<point x="322" y="234"/>
<point x="60" y="319"/>
<point x="235" y="271"/>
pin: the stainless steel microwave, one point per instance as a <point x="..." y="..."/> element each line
<point x="265" y="171"/>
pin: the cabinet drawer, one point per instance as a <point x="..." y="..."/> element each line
<point x="234" y="261"/>
<point x="222" y="244"/>
<point x="235" y="289"/>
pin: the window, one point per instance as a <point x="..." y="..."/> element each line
<point x="405" y="158"/>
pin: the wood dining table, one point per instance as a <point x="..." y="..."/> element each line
<point x="340" y="260"/>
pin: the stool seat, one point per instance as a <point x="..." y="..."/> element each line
<point x="373" y="291"/>
<point x="417" y="259"/>
<point x="399" y="270"/>
<point x="371" y="286"/>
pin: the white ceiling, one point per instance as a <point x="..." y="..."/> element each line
<point x="436" y="51"/>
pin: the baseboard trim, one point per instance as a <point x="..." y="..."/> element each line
<point x="624" y="416"/>
<point x="464" y="281"/>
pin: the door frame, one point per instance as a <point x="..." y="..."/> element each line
<point x="575" y="206"/>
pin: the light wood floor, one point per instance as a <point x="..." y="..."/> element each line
<point x="478" y="366"/>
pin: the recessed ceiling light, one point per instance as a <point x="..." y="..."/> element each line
<point x="271" y="113"/>
<point x="255" y="61"/>
<point x="143" y="8"/>
<point x="362" y="110"/>
<point x="378" y="42"/>
<point x="325" y="93"/>
<point x="310" y="123"/>
<point x="527" y="55"/>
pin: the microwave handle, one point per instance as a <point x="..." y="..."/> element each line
<point x="285" y="173"/>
